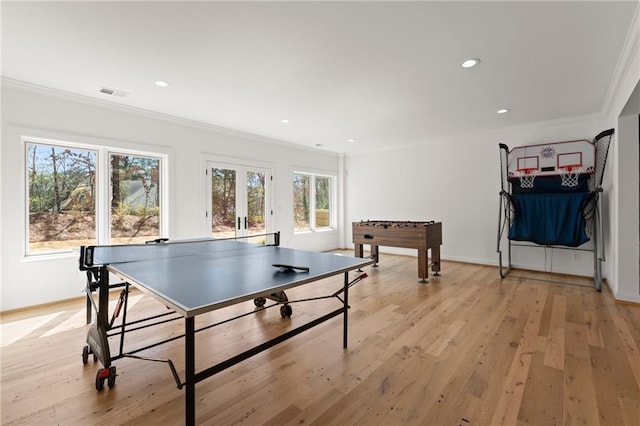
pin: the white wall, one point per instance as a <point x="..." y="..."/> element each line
<point x="626" y="175"/>
<point x="39" y="113"/>
<point x="625" y="284"/>
<point x="624" y="108"/>
<point x="457" y="181"/>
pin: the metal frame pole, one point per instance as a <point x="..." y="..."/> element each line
<point x="190" y="371"/>
<point x="346" y="309"/>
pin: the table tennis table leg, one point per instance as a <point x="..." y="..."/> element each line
<point x="89" y="313"/>
<point x="346" y="309"/>
<point x="190" y="371"/>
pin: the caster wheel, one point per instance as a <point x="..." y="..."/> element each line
<point x="259" y="301"/>
<point x="111" y="380"/>
<point x="286" y="311"/>
<point x="102" y="375"/>
<point x="85" y="355"/>
<point x="99" y="380"/>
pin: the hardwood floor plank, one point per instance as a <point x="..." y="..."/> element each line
<point x="610" y="406"/>
<point x="554" y="351"/>
<point x="630" y="410"/>
<point x="629" y="345"/>
<point x="509" y="404"/>
<point x="313" y="405"/>
<point x="594" y="333"/>
<point x="580" y="399"/>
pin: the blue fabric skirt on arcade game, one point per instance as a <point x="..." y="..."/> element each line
<point x="549" y="213"/>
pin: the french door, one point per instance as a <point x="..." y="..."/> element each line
<point x="238" y="203"/>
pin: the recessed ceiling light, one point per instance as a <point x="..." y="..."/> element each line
<point x="470" y="63"/>
<point x="351" y="140"/>
<point x="503" y="110"/>
<point x="284" y="120"/>
<point x="162" y="83"/>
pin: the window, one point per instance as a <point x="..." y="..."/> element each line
<point x="312" y="202"/>
<point x="62" y="201"/>
<point x="135" y="201"/>
<point x="64" y="187"/>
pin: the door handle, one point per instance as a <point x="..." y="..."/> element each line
<point x="246" y="222"/>
<point x="238" y="222"/>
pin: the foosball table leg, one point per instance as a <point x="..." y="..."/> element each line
<point x="435" y="261"/>
<point x="375" y="254"/>
<point x="359" y="252"/>
<point x="435" y="267"/>
<point x="423" y="267"/>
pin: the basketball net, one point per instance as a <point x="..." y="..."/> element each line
<point x="570" y="176"/>
<point x="526" y="178"/>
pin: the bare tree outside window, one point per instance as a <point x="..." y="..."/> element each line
<point x="323" y="201"/>
<point x="223" y="197"/>
<point x="61" y="193"/>
<point x="301" y="201"/>
<point x="256" y="199"/>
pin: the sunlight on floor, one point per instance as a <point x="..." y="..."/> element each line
<point x="11" y="332"/>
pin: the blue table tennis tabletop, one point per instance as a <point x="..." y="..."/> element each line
<point x="198" y="276"/>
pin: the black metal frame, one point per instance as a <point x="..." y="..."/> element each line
<point x="102" y="329"/>
<point x="505" y="210"/>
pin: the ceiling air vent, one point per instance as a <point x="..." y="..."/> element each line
<point x="113" y="92"/>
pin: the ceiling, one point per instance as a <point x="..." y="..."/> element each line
<point x="382" y="73"/>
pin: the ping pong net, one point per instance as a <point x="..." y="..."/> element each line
<point x="91" y="256"/>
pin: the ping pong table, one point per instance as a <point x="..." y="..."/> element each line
<point x="193" y="277"/>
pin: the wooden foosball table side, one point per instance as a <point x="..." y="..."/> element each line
<point x="422" y="236"/>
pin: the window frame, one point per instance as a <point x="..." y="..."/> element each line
<point x="102" y="191"/>
<point x="312" y="197"/>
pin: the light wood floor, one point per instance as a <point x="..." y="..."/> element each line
<point x="466" y="349"/>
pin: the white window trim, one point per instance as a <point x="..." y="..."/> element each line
<point x="103" y="226"/>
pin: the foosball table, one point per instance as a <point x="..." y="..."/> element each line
<point x="423" y="236"/>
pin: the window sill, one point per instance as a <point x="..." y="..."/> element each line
<point x="49" y="256"/>
<point x="314" y="231"/>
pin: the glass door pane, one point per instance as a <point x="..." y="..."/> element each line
<point x="255" y="221"/>
<point x="223" y="203"/>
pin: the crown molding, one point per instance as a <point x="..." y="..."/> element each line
<point x="630" y="50"/>
<point x="488" y="133"/>
<point x="64" y="95"/>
